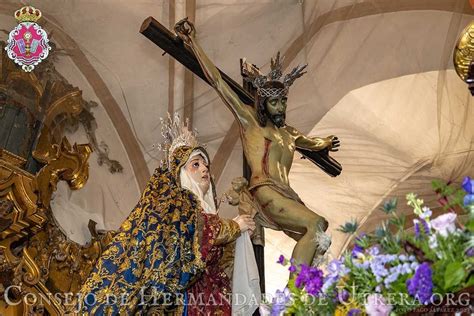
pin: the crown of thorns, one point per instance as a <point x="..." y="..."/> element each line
<point x="258" y="80"/>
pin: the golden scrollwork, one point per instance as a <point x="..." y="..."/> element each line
<point x="16" y="186"/>
<point x="36" y="257"/>
<point x="31" y="273"/>
<point x="464" y="52"/>
<point x="63" y="162"/>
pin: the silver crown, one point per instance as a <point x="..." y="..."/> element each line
<point x="258" y="80"/>
<point x="176" y="134"/>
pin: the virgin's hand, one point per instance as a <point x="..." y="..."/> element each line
<point x="185" y="30"/>
<point x="245" y="223"/>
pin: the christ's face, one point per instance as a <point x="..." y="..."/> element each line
<point x="198" y="170"/>
<point x="276" y="108"/>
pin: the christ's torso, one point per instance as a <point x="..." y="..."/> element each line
<point x="269" y="151"/>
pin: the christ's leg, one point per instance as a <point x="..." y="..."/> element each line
<point x="292" y="215"/>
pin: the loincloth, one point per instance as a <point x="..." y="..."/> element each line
<point x="264" y="219"/>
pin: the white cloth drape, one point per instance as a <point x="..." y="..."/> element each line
<point x="245" y="280"/>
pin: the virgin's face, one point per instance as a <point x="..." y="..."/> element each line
<point x="198" y="170"/>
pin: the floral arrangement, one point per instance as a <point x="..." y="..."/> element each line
<point x="390" y="271"/>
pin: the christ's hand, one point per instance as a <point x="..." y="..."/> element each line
<point x="333" y="143"/>
<point x="185" y="30"/>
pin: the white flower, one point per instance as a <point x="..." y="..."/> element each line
<point x="426" y="213"/>
<point x="433" y="242"/>
<point x="377" y="306"/>
<point x="444" y="224"/>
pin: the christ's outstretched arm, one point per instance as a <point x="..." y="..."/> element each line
<point x="242" y="113"/>
<point x="314" y="143"/>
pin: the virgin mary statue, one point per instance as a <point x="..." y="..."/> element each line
<point x="167" y="255"/>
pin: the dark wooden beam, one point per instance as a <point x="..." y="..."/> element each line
<point x="176" y="48"/>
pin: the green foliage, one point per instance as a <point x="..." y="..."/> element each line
<point x="453" y="275"/>
<point x="389" y="242"/>
<point x="363" y="241"/>
<point x="449" y="261"/>
<point x="453" y="196"/>
<point x="470" y="281"/>
<point x="470" y="225"/>
<point x="442" y="188"/>
<point x="398" y="222"/>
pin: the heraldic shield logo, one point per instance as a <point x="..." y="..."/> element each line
<point x="28" y="43"/>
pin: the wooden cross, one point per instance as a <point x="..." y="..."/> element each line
<point x="175" y="47"/>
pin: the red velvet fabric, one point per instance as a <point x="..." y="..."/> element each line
<point x="211" y="294"/>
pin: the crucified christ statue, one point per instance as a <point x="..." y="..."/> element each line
<point x="269" y="145"/>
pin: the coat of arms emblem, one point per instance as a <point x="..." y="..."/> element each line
<point x="28" y="43"/>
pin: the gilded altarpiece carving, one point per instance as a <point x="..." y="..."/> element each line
<point x="35" y="256"/>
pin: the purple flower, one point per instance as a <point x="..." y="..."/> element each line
<point x="420" y="285"/>
<point x="279" y="301"/>
<point x="311" y="278"/>
<point x="416" y="222"/>
<point x="357" y="249"/>
<point x="426" y="226"/>
<point x="354" y="312"/>
<point x="395" y="271"/>
<point x="406" y="268"/>
<point x="328" y="283"/>
<point x="377" y="306"/>
<point x="343" y="296"/>
<point x="292" y="269"/>
<point x="468" y="185"/>
<point x="468" y="199"/>
<point x="377" y="265"/>
<point x="444" y="224"/>
<point x="373" y="251"/>
<point x="337" y="268"/>
<point x="392" y="277"/>
<point x="362" y="263"/>
<point x="303" y="276"/>
<point x="314" y="285"/>
<point x="470" y="252"/>
<point x="281" y="259"/>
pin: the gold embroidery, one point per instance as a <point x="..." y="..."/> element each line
<point x="228" y="232"/>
